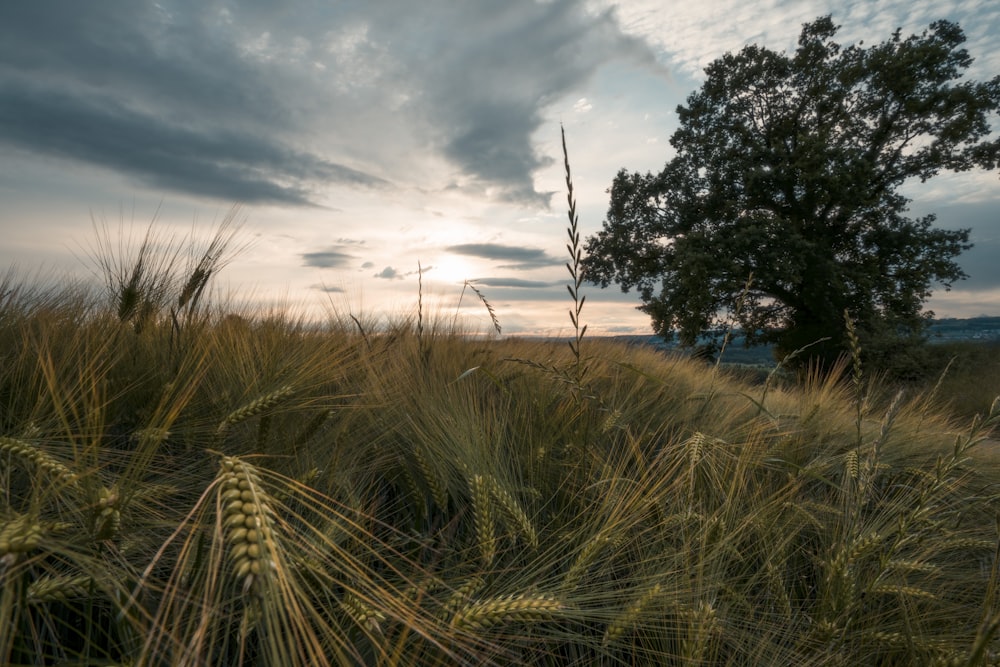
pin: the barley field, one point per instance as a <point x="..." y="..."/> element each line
<point x="195" y="483"/>
<point x="209" y="487"/>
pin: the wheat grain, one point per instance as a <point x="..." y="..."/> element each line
<point x="489" y="306"/>
<point x="861" y="547"/>
<point x="584" y="560"/>
<point x="702" y="625"/>
<point x="913" y="566"/>
<point x="852" y="465"/>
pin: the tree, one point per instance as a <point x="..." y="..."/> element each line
<point x="787" y="169"/>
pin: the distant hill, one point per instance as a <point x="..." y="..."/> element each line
<point x="977" y="328"/>
<point x="947" y="330"/>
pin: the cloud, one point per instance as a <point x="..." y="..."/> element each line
<point x="512" y="282"/>
<point x="327" y="259"/>
<point x="522" y="257"/>
<point x="485" y="93"/>
<point x="693" y="36"/>
<point x="389" y="273"/>
<point x="208" y="161"/>
<point x="252" y="102"/>
<point x="327" y="288"/>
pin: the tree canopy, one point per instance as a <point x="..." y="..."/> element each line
<point x="787" y="169"/>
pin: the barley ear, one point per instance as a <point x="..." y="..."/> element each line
<point x="507" y="609"/>
<point x="484" y="519"/>
<point x="41" y="460"/>
<point x="513" y="511"/>
<point x="59" y="589"/>
<point x="627" y="619"/>
<point x="252" y="409"/>
<point x="248" y="521"/>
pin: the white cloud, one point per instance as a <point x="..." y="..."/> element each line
<point x="691" y="35"/>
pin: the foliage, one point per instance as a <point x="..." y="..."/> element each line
<point x="787" y="168"/>
<point x="272" y="493"/>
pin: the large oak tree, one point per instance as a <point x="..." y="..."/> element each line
<point x="787" y="168"/>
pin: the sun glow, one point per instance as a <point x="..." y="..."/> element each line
<point x="451" y="269"/>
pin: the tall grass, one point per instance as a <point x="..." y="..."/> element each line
<point x="274" y="493"/>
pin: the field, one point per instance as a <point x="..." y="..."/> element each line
<point x="191" y="484"/>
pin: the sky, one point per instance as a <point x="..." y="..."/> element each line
<point x="363" y="139"/>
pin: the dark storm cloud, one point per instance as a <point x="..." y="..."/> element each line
<point x="261" y="102"/>
<point x="215" y="162"/>
<point x="160" y="92"/>
<point x="332" y="258"/>
<point x="519" y="256"/>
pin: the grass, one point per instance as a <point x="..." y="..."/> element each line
<point x="222" y="488"/>
<point x="966" y="374"/>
